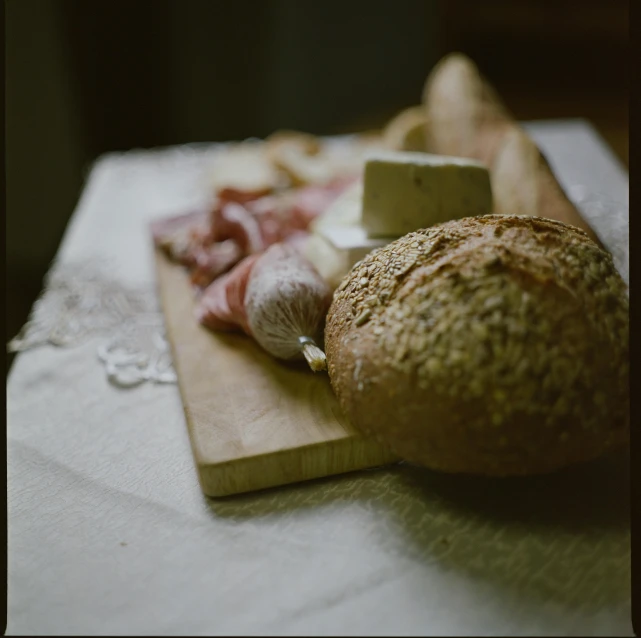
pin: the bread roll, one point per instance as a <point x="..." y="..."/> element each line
<point x="406" y="131"/>
<point x="494" y="345"/>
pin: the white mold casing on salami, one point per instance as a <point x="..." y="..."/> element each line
<point x="286" y="303"/>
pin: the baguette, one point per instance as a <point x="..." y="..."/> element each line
<point x="465" y="117"/>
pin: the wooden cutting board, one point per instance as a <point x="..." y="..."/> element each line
<point x="253" y="422"/>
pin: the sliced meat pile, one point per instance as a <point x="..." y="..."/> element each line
<point x="220" y="246"/>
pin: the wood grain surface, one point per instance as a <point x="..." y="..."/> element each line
<point x="253" y="422"/>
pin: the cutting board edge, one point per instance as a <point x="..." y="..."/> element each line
<point x="293" y="465"/>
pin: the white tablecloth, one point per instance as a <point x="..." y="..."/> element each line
<point x="110" y="534"/>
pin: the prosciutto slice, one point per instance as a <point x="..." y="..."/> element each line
<point x="222" y="304"/>
<point x="235" y="221"/>
<point x="182" y="236"/>
<point x="212" y="260"/>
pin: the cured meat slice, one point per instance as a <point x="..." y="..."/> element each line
<point x="213" y="310"/>
<point x="213" y="260"/>
<point x="181" y="236"/>
<point x="162" y="229"/>
<point x="222" y="304"/>
<point x="230" y="194"/>
<point x="234" y="221"/>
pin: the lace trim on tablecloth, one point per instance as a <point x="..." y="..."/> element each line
<point x="80" y="302"/>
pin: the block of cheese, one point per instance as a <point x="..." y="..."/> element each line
<point x="341" y="226"/>
<point x="330" y="263"/>
<point x="353" y="242"/>
<point x="333" y="250"/>
<point x="405" y="191"/>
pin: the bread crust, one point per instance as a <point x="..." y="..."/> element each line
<point x="493" y="345"/>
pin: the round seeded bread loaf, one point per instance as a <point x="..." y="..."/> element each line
<point x="494" y="345"/>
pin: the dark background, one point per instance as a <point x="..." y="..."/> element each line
<point x="84" y="77"/>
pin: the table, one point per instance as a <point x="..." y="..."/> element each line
<point x="109" y="533"/>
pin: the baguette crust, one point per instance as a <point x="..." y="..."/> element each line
<point x="493" y="345"/>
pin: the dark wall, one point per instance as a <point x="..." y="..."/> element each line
<point x="85" y="77"/>
<point x="166" y="72"/>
